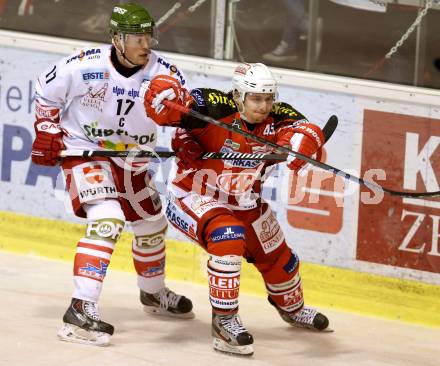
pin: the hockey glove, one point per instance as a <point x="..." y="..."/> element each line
<point x="306" y="138"/>
<point x="164" y="87"/>
<point x="48" y="142"/>
<point x="187" y="149"/>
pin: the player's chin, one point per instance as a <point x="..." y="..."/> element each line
<point x="260" y="117"/>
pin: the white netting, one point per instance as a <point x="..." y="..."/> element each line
<point x="411" y="29"/>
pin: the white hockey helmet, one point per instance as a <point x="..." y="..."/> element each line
<point x="253" y="78"/>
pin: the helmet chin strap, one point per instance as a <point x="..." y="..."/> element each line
<point x="243" y="116"/>
<point x="122" y="52"/>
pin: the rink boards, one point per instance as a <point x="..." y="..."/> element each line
<point x="384" y="131"/>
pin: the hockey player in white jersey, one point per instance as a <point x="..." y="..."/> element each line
<point x="90" y="101"/>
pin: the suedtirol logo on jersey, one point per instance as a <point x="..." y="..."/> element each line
<point x="93" y="131"/>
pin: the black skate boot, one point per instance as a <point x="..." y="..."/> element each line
<point x="307" y="318"/>
<point x="230" y="335"/>
<point x="82" y="324"/>
<point x="167" y="303"/>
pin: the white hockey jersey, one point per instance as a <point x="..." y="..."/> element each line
<point x="100" y="109"/>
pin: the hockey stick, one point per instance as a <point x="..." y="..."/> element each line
<point x="371" y="185"/>
<point x="327" y="130"/>
<point x="168" y="154"/>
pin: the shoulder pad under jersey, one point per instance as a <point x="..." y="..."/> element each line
<point x="170" y="68"/>
<point x="282" y="111"/>
<point x="213" y="102"/>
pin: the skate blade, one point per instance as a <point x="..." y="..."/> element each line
<point x="163" y="312"/>
<point x="326" y="330"/>
<point x="75" y="334"/>
<point x="221" y="346"/>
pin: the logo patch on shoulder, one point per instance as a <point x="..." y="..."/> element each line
<point x="198" y="97"/>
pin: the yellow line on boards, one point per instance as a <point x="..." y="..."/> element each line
<point x="326" y="287"/>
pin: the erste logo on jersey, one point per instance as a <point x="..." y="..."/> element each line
<point x="95" y="75"/>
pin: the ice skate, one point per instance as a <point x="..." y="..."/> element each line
<point x="307" y="318"/>
<point x="82" y="324"/>
<point x="230" y="336"/>
<point x="167" y="303"/>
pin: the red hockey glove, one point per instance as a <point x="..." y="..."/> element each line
<point x="48" y="142"/>
<point x="164" y="87"/>
<point x="306" y="138"/>
<point x="187" y="149"/>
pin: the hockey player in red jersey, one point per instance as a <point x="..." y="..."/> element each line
<point x="90" y="101"/>
<point x="217" y="203"/>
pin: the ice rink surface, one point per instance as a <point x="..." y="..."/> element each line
<point x="35" y="293"/>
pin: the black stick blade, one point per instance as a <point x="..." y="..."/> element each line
<point x="330" y="127"/>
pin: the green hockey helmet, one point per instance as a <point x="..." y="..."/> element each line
<point x="130" y="18"/>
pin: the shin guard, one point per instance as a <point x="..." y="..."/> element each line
<point x="224" y="283"/>
<point x="283" y="283"/>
